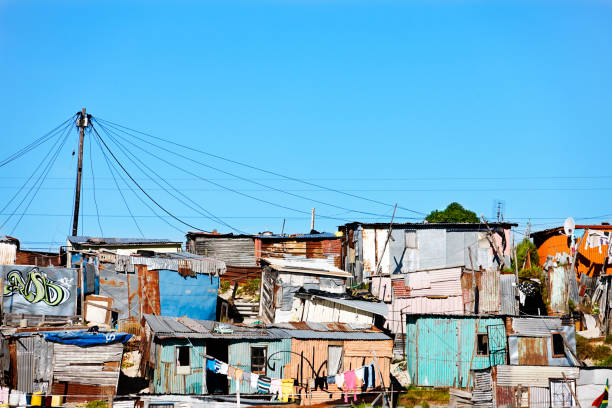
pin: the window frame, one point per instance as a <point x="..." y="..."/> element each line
<point x="552" y="345"/>
<point x="265" y="359"/>
<point x="180" y="368"/>
<point x="478" y="337"/>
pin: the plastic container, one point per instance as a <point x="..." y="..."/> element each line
<point x="37" y="399"/>
<point x="56" y="401"/>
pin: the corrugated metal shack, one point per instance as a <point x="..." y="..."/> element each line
<point x="542" y="340"/>
<point x="441" y="350"/>
<point x="53" y="362"/>
<point x="282" y="278"/>
<point x="420" y="246"/>
<point x="289" y="350"/>
<point x="591" y="383"/>
<point x="534" y="386"/>
<point x="171" y="284"/>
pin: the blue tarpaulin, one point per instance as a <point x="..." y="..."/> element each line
<point x="84" y="338"/>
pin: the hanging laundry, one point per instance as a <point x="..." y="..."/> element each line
<point x="287" y="389"/>
<point x="263" y="384"/>
<point x="254" y="380"/>
<point x="4" y="395"/>
<point x="238" y="375"/>
<point x="320" y="383"/>
<point x="275" y="388"/>
<point x="246" y="377"/>
<point x="223" y="368"/>
<point x="231" y="371"/>
<point x="359" y="374"/>
<point x="372" y="376"/>
<point x="350" y="381"/>
<point x="211" y="364"/>
<point x="366" y="377"/>
<point x="331" y="379"/>
<point x="340" y="380"/>
<point x="311" y="383"/>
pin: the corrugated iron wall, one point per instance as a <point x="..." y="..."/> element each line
<point x="167" y="381"/>
<point x="233" y="251"/>
<point x="34" y="363"/>
<point x="240" y="357"/>
<point x="123" y="292"/>
<point x="328" y="249"/>
<point x="95" y="365"/>
<point x="439" y="350"/>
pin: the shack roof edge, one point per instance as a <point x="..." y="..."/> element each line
<point x="429" y="225"/>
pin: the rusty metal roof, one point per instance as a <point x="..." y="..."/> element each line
<point x="464" y="226"/>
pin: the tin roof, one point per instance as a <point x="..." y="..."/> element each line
<point x="181" y="327"/>
<point x="96" y="241"/>
<point x="172" y="261"/>
<point x="371" y="307"/>
<point x="312" y="266"/>
<point x="321" y="235"/>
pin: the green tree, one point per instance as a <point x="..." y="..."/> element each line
<point x="526" y="246"/>
<point x="453" y="213"/>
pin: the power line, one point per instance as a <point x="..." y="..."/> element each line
<point x="138" y="185"/>
<point x="248" y="179"/>
<point x="234" y="190"/>
<point x="39" y="181"/>
<point x="155" y="214"/>
<point x="116" y="125"/>
<point x="23" y="151"/>
<point x="135" y="158"/>
<point x="93" y="180"/>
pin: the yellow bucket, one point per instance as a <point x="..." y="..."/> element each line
<point x="37" y="399"/>
<point x="56" y="400"/>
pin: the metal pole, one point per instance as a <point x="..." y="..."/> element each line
<point x="82" y="123"/>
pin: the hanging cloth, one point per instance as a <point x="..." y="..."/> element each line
<point x="254" y="380"/>
<point x="275" y="388"/>
<point x="350" y="381"/>
<point x="263" y="384"/>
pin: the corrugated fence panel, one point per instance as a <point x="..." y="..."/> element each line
<point x="96" y="365"/>
<point x="535" y="376"/>
<point x="504" y="397"/>
<point x="558" y="291"/>
<point x="233" y="251"/>
<point x="539" y="397"/>
<point x="437" y="352"/>
<point x="25" y="364"/>
<point x="450" y="305"/>
<point x="507" y="295"/>
<point x="489" y="297"/>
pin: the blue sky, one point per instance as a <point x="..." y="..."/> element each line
<point x="420" y="103"/>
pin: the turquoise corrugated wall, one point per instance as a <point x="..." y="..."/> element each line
<point x="440" y="351"/>
<point x="166" y="381"/>
<point x="240" y="357"/>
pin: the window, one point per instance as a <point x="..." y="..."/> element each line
<point x="183" y="360"/>
<point x="411" y="239"/>
<point x="258" y="360"/>
<point x="334" y="359"/>
<point x="482" y="346"/>
<point x="558" y="346"/>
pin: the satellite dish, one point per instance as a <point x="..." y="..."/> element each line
<point x="569" y="226"/>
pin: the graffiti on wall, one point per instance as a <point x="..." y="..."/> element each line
<point x="38" y="290"/>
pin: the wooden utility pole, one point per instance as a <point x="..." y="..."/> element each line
<point x="82" y="122"/>
<point x="312" y="218"/>
<point x="387" y="241"/>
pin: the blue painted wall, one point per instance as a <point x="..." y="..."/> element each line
<point x="194" y="297"/>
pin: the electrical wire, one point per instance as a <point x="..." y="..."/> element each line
<point x="135" y="159"/>
<point x="110" y="170"/>
<point x="155" y="214"/>
<point x="47" y="155"/>
<point x="121" y="127"/>
<point x="93" y="180"/>
<point x="234" y="190"/>
<point x="138" y="185"/>
<point x="36" y="186"/>
<point x="41" y="140"/>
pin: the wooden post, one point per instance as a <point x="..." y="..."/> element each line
<point x="516" y="282"/>
<point x="82" y="285"/>
<point x="386" y="242"/>
<point x="570" y="390"/>
<point x="82" y="122"/>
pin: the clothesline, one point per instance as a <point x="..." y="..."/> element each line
<point x="363" y="377"/>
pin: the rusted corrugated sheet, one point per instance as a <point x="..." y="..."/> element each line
<point x="148" y="290"/>
<point x="533" y="351"/>
<point x="241" y="274"/>
<point x="505" y="397"/>
<point x="328" y="249"/>
<point x="76" y="392"/>
<point x="239" y="251"/>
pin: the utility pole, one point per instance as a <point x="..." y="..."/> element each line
<point x="312" y="220"/>
<point x="82" y="122"/>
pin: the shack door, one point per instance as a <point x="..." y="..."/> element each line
<point x="267" y="308"/>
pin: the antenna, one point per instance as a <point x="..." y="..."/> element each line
<point x="569" y="226"/>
